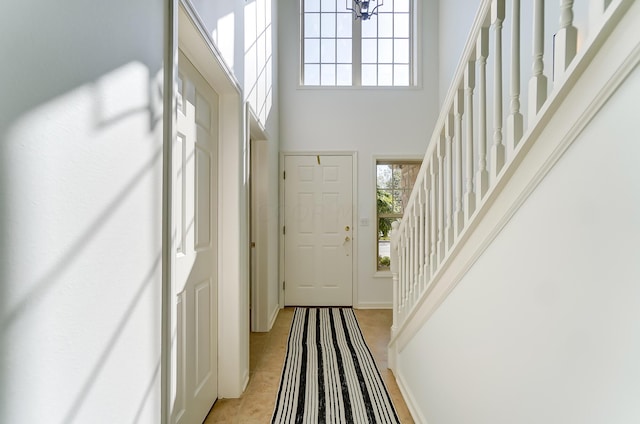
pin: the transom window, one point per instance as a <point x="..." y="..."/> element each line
<point x="394" y="183"/>
<point x="338" y="50"/>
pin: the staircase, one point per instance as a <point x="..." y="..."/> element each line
<point x="539" y="114"/>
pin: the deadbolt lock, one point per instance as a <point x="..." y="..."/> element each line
<point x="346" y="228"/>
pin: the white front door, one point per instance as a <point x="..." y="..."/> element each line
<point x="195" y="285"/>
<point x="318" y="230"/>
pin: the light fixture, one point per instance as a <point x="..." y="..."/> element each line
<point x="364" y="9"/>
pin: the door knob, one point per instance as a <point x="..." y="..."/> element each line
<point x="347" y="238"/>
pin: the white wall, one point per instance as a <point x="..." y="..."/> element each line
<point x="373" y="122"/>
<point x="80" y="211"/>
<point x="544" y="327"/>
<point x="245" y="33"/>
<point x="454" y="24"/>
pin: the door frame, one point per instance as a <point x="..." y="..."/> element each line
<point x="185" y="30"/>
<point x="259" y="181"/>
<point x="354" y="212"/>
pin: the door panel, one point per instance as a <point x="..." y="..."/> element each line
<point x="195" y="274"/>
<point x="318" y="230"/>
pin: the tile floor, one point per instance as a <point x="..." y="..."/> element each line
<point x="267" y="356"/>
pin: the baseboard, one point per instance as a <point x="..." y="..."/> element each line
<point x="245" y="381"/>
<point x="373" y="305"/>
<point x="274" y="316"/>
<point x="413" y="406"/>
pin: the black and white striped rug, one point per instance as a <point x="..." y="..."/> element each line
<point x="329" y="373"/>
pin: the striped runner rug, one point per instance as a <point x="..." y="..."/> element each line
<point x="329" y="373"/>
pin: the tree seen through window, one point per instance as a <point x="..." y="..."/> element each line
<point x="394" y="182"/>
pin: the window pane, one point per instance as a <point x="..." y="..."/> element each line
<point x="370" y="27"/>
<point x="328" y="51"/>
<point x="312" y="25"/>
<point x="401" y="75"/>
<point x="312" y="74"/>
<point x="385" y="51"/>
<point x="385" y="25"/>
<point x="401" y="6"/>
<point x="385" y="74"/>
<point x="397" y="202"/>
<point x="344" y="51"/>
<point x="312" y="51"/>
<point x="384" y="245"/>
<point x="369" y="74"/>
<point x="387" y="7"/>
<point x="369" y="51"/>
<point x="383" y="176"/>
<point x="397" y="176"/>
<point x="311" y="5"/>
<point x="394" y="183"/>
<point x="345" y="23"/>
<point x="328" y="5"/>
<point x="328" y="25"/>
<point x="401" y="51"/>
<point x="344" y="75"/>
<point x="328" y="74"/>
<point x="401" y="25"/>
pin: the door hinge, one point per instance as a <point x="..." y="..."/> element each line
<point x="283" y="285"/>
<point x="284" y="175"/>
<point x="284" y="230"/>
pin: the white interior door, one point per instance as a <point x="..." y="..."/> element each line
<point x="195" y="278"/>
<point x="318" y="196"/>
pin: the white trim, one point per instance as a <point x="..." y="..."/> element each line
<point x="354" y="212"/>
<point x="258" y="167"/>
<point x="169" y="134"/>
<point x="274" y="316"/>
<point x="223" y="69"/>
<point x="591" y="83"/>
<point x="410" y="400"/>
<point x="233" y="354"/>
<point x="373" y="305"/>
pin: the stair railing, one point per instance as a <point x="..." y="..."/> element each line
<point x="476" y="137"/>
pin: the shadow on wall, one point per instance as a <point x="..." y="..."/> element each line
<point x="103" y="60"/>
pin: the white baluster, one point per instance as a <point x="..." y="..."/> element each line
<point x="538" y="82"/>
<point x="469" y="84"/>
<point x="515" y="121"/>
<point x="441" y="206"/>
<point x="394" y="257"/>
<point x="421" y="216"/>
<point x="407" y="266"/>
<point x="401" y="274"/>
<point x="565" y="41"/>
<point x="427" y="224"/>
<point x="497" y="150"/>
<point x="434" y="213"/>
<point x="416" y="248"/>
<point x="482" y="52"/>
<point x="448" y="183"/>
<point x="410" y="257"/>
<point x="404" y="276"/>
<point x="458" y="108"/>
